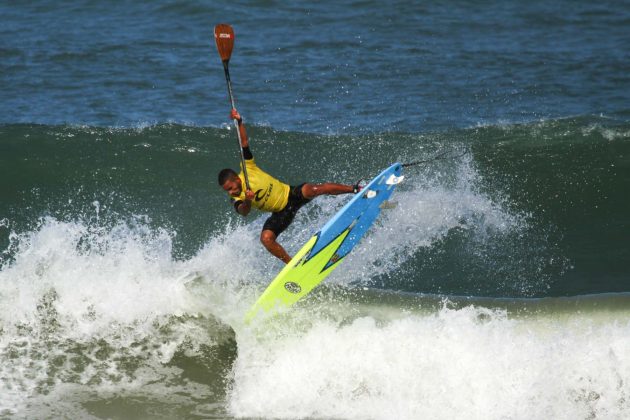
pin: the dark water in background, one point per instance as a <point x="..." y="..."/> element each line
<point x="113" y="125"/>
<point x="334" y="67"/>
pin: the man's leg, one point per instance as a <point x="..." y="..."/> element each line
<point x="268" y="239"/>
<point x="311" y="191"/>
<point x="278" y="222"/>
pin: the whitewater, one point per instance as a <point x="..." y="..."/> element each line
<point x="497" y="288"/>
<point x="103" y="316"/>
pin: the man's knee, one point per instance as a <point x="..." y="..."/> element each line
<point x="310" y="191"/>
<point x="267" y="237"/>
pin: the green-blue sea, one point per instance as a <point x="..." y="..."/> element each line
<point x="498" y="287"/>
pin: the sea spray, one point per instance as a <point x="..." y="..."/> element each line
<point x="471" y="362"/>
<point x="139" y="306"/>
<point x="105" y="309"/>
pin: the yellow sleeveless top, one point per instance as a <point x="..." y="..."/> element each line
<point x="271" y="195"/>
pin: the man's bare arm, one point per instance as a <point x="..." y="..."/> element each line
<point x="245" y="206"/>
<point x="241" y="128"/>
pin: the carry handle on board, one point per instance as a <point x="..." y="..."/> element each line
<point x="224" y="38"/>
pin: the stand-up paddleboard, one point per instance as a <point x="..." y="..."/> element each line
<point x="328" y="247"/>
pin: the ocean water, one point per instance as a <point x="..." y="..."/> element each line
<point x="498" y="288"/>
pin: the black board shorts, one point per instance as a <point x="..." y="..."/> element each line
<point x="280" y="220"/>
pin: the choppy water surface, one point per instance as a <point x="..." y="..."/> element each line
<point x="497" y="288"/>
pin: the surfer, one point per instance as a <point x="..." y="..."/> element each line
<point x="268" y="194"/>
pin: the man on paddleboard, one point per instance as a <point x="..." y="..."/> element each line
<point x="268" y="194"/>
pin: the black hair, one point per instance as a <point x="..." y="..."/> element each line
<point x="225" y="175"/>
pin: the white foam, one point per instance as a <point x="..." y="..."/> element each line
<point x="76" y="290"/>
<point x="456" y="364"/>
<point x="428" y="208"/>
<point x="117" y="275"/>
<point x="121" y="286"/>
<point x="610" y="134"/>
<point x="75" y="283"/>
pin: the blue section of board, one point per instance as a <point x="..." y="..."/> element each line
<point x="359" y="213"/>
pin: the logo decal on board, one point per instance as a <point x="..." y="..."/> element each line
<point x="292" y="287"/>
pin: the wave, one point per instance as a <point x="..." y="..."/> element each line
<point x="124" y="276"/>
<point x="472" y="361"/>
<point x="105" y="321"/>
<point x="531" y="210"/>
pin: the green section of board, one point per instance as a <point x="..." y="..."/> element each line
<point x="323" y="252"/>
<point x="298" y="277"/>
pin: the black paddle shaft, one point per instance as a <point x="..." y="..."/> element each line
<point x="238" y="131"/>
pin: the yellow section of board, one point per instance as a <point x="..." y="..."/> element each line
<point x="297" y="278"/>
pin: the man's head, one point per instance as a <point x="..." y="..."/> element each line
<point x="230" y="182"/>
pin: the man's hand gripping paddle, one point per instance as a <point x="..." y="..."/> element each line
<point x="224" y="38"/>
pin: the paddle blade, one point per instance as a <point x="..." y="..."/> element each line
<point x="224" y="37"/>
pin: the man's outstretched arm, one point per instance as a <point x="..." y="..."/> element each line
<point x="241" y="129"/>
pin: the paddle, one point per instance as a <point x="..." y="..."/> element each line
<point x="224" y="38"/>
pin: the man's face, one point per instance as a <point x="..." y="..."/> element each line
<point x="233" y="186"/>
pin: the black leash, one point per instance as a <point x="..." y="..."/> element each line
<point x="440" y="156"/>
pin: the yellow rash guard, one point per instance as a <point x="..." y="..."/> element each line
<point x="271" y="194"/>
